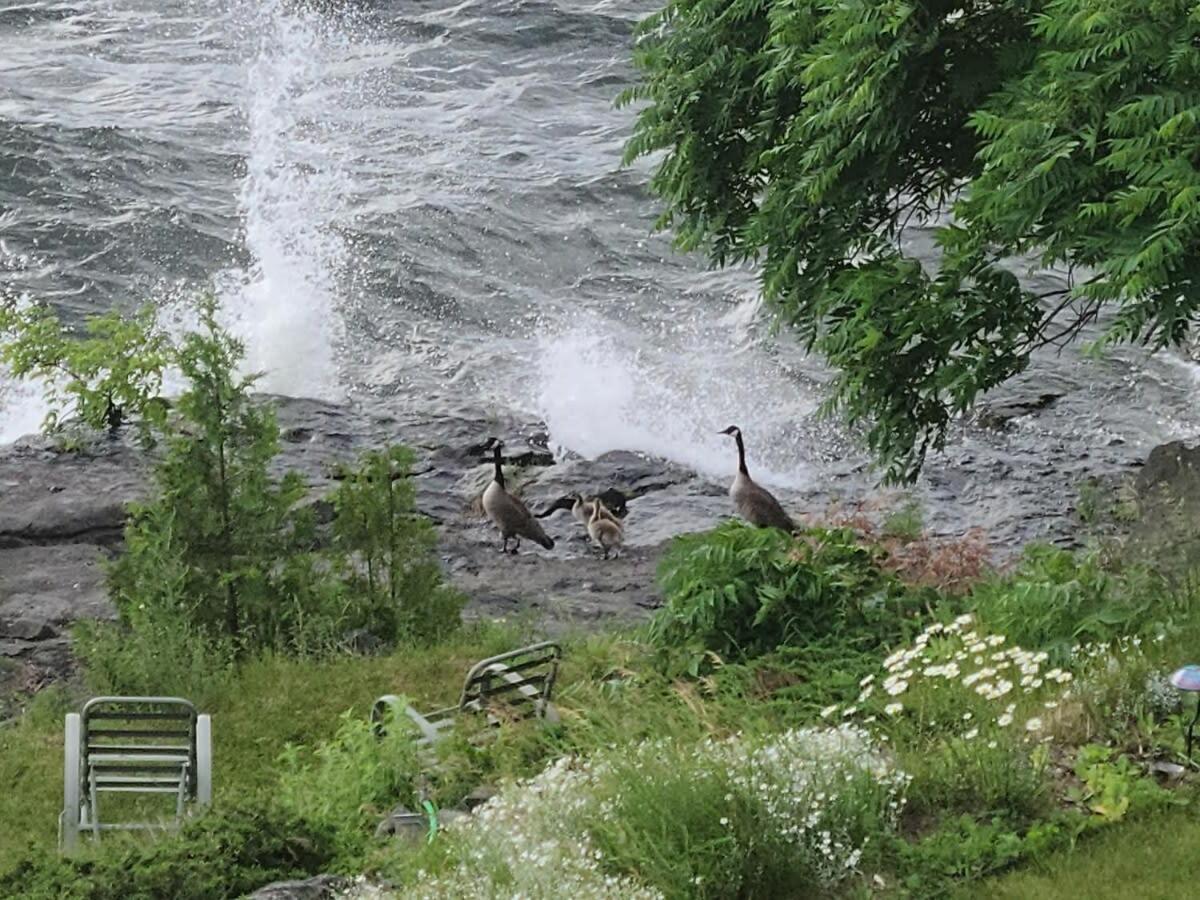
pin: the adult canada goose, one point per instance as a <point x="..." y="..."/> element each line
<point x="605" y="532"/>
<point x="506" y="511"/>
<point x="753" y="502"/>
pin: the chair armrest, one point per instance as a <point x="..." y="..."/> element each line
<point x="429" y="730"/>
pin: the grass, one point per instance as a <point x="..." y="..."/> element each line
<point x="1152" y="859"/>
<point x="272" y="702"/>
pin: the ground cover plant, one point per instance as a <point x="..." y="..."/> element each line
<point x="907" y="754"/>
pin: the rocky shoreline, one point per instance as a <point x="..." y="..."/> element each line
<point x="61" y="516"/>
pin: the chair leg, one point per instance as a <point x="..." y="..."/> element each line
<point x="203" y="761"/>
<point x="93" y="803"/>
<point x="69" y="820"/>
<point x="181" y="795"/>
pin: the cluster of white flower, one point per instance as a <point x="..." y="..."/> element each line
<point x="794" y="779"/>
<point x="527" y="842"/>
<point x="531" y="840"/>
<point x="958" y="652"/>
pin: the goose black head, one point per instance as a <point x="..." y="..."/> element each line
<point x="732" y="431"/>
<point x="491" y="443"/>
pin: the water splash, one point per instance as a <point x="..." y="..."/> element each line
<point x="22" y="407"/>
<point x="284" y="305"/>
<point x="604" y="387"/>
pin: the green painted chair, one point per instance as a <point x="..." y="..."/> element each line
<point x="133" y="745"/>
<point x="513" y="685"/>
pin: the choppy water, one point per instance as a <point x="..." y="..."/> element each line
<point x="420" y="202"/>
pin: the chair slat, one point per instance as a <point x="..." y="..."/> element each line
<point x="133" y="715"/>
<point x="174" y="734"/>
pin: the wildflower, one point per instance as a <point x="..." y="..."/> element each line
<point x="866" y="681"/>
<point x="828" y="711"/>
<point x="896" y="688"/>
<point x="967" y="717"/>
<point x="1051" y="704"/>
<point x="1034" y="724"/>
<point x="1005" y="720"/>
<point x="893" y="709"/>
<point x="992" y="745"/>
<point x="971" y="735"/>
<point x="995" y="640"/>
<point x="724" y="820"/>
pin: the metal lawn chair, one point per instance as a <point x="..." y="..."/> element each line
<point x="513" y="685"/>
<point x="133" y="745"/>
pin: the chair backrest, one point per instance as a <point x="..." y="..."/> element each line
<point x="141" y="726"/>
<point x="522" y="680"/>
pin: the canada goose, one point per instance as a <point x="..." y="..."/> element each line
<point x="582" y="510"/>
<point x="506" y="511"/>
<point x="605" y="532"/>
<point x="754" y="503"/>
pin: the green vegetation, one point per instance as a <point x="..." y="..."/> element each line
<point x="1154" y="858"/>
<point x="106" y="376"/>
<point x="831" y="713"/>
<point x="805" y="136"/>
<point x="740" y="592"/>
<point x="904" y="747"/>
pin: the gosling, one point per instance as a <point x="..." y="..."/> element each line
<point x="753" y="502"/>
<point x="604" y="531"/>
<point x="583" y="510"/>
<point x="507" y="512"/>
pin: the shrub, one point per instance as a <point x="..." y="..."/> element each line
<point x="110" y="374"/>
<point x="739" y="592"/>
<point x="220" y="524"/>
<point x="212" y="858"/>
<point x="350" y="781"/>
<point x="388" y="551"/>
<point x="227" y="551"/>
<point x="1056" y="599"/>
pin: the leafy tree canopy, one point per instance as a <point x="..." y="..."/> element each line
<point x="804" y="135"/>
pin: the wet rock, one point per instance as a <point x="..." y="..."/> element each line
<point x="55" y="584"/>
<point x="28" y="629"/>
<point x="319" y="887"/>
<point x="61" y="514"/>
<point x="1000" y="415"/>
<point x="361" y="641"/>
<point x="405" y="824"/>
<point x="478" y="797"/>
<point x="1172" y="468"/>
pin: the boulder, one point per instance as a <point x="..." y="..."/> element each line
<point x="319" y="887"/>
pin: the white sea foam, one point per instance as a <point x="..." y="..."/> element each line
<point x="22" y="407"/>
<point x="604" y="386"/>
<point x="284" y="305"/>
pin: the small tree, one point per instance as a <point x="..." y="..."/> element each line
<point x="387" y="549"/>
<point x="107" y="375"/>
<point x="226" y="519"/>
